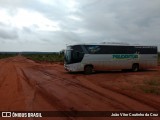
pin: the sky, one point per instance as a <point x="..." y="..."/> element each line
<point x="50" y="25"/>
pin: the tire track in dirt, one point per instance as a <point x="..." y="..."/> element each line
<point x="28" y="91"/>
<point x="60" y="87"/>
<point x="141" y="98"/>
<point x="99" y="90"/>
<point x="155" y="103"/>
<point x="77" y="84"/>
<point x="36" y="95"/>
<point x="3" y="77"/>
<point x="117" y="97"/>
<point x="10" y="88"/>
<point x="3" y="71"/>
<point x="45" y="94"/>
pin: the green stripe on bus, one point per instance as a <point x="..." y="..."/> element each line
<point x="125" y="56"/>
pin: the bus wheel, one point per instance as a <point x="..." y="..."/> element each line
<point x="88" y="69"/>
<point x="135" y="67"/>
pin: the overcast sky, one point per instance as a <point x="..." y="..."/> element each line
<point x="48" y="25"/>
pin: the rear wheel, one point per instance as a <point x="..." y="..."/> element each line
<point x="88" y="69"/>
<point x="135" y="67"/>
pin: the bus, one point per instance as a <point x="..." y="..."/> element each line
<point x="102" y="57"/>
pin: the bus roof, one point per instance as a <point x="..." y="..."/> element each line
<point x="112" y="44"/>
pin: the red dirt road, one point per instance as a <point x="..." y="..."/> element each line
<point x="29" y="86"/>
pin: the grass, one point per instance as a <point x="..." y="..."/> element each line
<point x="152" y="90"/>
<point x="5" y="55"/>
<point x="153" y="82"/>
<point x="46" y="57"/>
<point x="151" y="86"/>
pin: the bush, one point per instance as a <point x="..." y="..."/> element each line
<point x="151" y="86"/>
<point x="46" y="57"/>
<point x="5" y="55"/>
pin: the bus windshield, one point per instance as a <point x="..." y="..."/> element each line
<point x="67" y="56"/>
<point x="72" y="56"/>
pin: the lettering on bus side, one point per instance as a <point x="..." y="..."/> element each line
<point x="125" y="56"/>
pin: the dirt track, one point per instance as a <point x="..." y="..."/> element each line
<point x="29" y="86"/>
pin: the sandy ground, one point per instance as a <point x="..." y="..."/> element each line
<point x="29" y="86"/>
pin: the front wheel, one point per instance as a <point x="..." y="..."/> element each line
<point x="88" y="69"/>
<point x="135" y="67"/>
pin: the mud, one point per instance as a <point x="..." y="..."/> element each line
<point x="29" y="86"/>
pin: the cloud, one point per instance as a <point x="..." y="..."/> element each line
<point x="125" y="20"/>
<point x="61" y="22"/>
<point x="7" y="33"/>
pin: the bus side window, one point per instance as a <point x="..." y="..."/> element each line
<point x="93" y="49"/>
<point x="77" y="55"/>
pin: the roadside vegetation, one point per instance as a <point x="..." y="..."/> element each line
<point x="37" y="56"/>
<point x="54" y="57"/>
<point x="6" y="55"/>
<point x="151" y="86"/>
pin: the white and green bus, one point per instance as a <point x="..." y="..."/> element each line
<point x="102" y="57"/>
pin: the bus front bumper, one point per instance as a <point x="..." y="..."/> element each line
<point x="67" y="68"/>
<point x="70" y="68"/>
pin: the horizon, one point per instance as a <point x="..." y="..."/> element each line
<point x="78" y="44"/>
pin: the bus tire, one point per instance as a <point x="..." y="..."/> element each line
<point x="135" y="67"/>
<point x="88" y="69"/>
